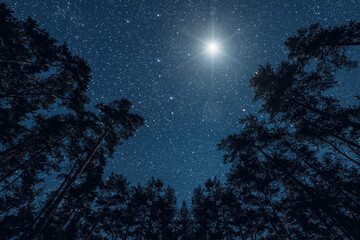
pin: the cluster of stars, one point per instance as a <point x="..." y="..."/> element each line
<point x="155" y="53"/>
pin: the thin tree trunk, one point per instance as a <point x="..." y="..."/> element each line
<point x="8" y="185"/>
<point x="276" y="230"/>
<point x="330" y="212"/>
<point x="50" y="201"/>
<point x="70" y="217"/>
<point x="92" y="230"/>
<point x="339" y="151"/>
<point x="48" y="214"/>
<point x="345" y="140"/>
<point x="327" y="115"/>
<point x="317" y="171"/>
<point x="8" y="157"/>
<point x="348" y="232"/>
<point x="328" y="227"/>
<point x="277" y="216"/>
<point x="334" y="135"/>
<point x="354" y="150"/>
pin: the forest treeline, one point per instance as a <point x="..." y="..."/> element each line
<point x="294" y="173"/>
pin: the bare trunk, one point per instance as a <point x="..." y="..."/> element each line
<point x="9" y="184"/>
<point x="343" y="226"/>
<point x="329" y="116"/>
<point x="48" y="214"/>
<point x="339" y="151"/>
<point x="277" y="217"/>
<point x="317" y="171"/>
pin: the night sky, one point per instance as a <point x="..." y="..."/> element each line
<point x="155" y="53"/>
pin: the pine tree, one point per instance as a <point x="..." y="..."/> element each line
<point x="36" y="75"/>
<point x="271" y="173"/>
<point x="327" y="46"/>
<point x="184" y="225"/>
<point x="114" y="124"/>
<point x="39" y="79"/>
<point x="295" y="92"/>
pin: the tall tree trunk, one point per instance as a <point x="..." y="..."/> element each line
<point x="339" y="151"/>
<point x="54" y="195"/>
<point x="323" y="176"/>
<point x="277" y="216"/>
<point x="9" y="184"/>
<point x="48" y="214"/>
<point x="329" y="133"/>
<point x="356" y="151"/>
<point x="343" y="226"/>
<point x="68" y="221"/>
<point x="329" y="116"/>
<point x="328" y="227"/>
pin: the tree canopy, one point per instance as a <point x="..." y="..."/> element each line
<point x="294" y="172"/>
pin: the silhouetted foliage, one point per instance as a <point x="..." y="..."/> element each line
<point x="298" y="170"/>
<point x="35" y="74"/>
<point x="271" y="173"/>
<point x="294" y="173"/>
<point x="184" y="223"/>
<point x="327" y="46"/>
<point x="37" y="141"/>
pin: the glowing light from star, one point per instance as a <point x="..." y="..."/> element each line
<point x="212" y="47"/>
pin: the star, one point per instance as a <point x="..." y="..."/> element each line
<point x="212" y="47"/>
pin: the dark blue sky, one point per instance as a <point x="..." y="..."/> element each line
<point x="152" y="53"/>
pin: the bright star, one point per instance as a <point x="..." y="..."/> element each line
<point x="212" y="47"/>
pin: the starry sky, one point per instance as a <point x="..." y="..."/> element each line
<point x="153" y="52"/>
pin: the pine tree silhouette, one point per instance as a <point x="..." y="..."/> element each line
<point x="294" y="174"/>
